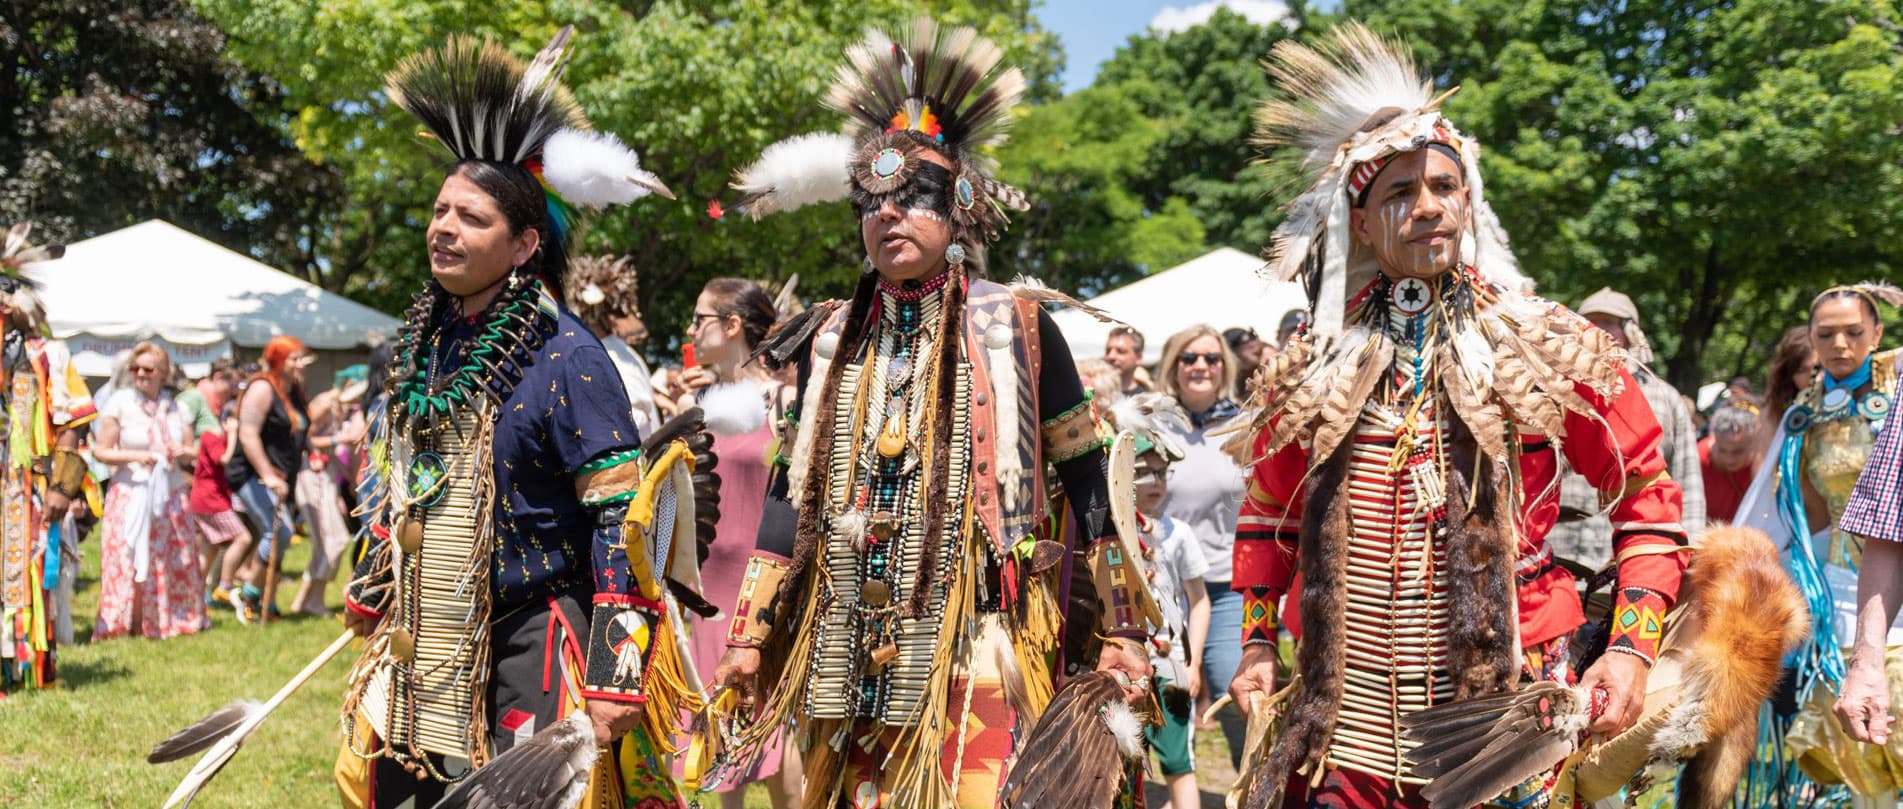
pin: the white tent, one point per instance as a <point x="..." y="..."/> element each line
<point x="1222" y="288"/>
<point x="155" y="281"/>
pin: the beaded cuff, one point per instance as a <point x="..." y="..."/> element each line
<point x="753" y="610"/>
<point x="1071" y="434"/>
<point x="69" y="472"/>
<point x="1638" y="623"/>
<point x="1117" y="578"/>
<point x="1260" y="623"/>
<point x="620" y="641"/>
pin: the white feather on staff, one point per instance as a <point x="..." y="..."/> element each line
<point x="224" y="748"/>
<point x="794" y="173"/>
<point x="595" y="170"/>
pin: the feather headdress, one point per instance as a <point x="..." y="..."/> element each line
<point x="600" y="288"/>
<point x="482" y="104"/>
<point x="1348" y="104"/>
<point x="21" y="292"/>
<point x="943" y="89"/>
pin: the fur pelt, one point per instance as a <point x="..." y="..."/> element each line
<point x="1320" y="661"/>
<point x="1751" y="616"/>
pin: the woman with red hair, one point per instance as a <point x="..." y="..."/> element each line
<point x="272" y="422"/>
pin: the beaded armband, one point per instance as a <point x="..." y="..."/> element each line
<point x="759" y="593"/>
<point x="68" y="473"/>
<point x="1117" y="578"/>
<point x="611" y="479"/>
<point x="1071" y="434"/>
<point x="1260" y="624"/>
<point x="620" y="646"/>
<point x="1638" y="623"/>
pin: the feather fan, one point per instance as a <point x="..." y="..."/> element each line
<point x="549" y="771"/>
<point x="1074" y="757"/>
<point x="799" y="171"/>
<point x="795" y="338"/>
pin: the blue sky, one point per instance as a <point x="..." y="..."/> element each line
<point x="1092" y="30"/>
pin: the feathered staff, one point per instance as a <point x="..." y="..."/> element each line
<point x="223" y="732"/>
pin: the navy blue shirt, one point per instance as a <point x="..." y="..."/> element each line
<point x="569" y="409"/>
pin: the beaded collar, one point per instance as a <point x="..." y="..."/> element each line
<point x="515" y="325"/>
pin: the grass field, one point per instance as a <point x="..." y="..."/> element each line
<point x="83" y="745"/>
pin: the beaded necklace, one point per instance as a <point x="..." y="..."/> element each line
<point x="516" y="324"/>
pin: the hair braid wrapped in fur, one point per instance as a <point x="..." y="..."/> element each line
<point x="1320" y="661"/>
<point x="808" y="535"/>
<point x="937" y="498"/>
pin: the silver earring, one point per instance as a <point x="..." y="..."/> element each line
<point x="955" y="254"/>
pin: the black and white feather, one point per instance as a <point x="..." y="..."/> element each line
<point x="483" y="104"/>
<point x="549" y="771"/>
<point x="201" y="735"/>
<point x="1154" y="417"/>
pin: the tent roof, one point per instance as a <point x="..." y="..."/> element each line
<point x="154" y="279"/>
<point x="1223" y="288"/>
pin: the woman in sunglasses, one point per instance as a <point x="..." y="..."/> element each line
<point x="1206" y="487"/>
<point x="149" y="577"/>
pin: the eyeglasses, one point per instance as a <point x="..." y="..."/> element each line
<point x="142" y="370"/>
<point x="1190" y="358"/>
<point x="699" y="316"/>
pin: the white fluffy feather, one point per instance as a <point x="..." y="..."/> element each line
<point x="734" y="408"/>
<point x="796" y="172"/>
<point x="851" y="524"/>
<point x="1124" y="725"/>
<point x="591" y="169"/>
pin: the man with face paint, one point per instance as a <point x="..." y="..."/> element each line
<point x="1406" y="445"/>
<point x="43" y="484"/>
<point x="907" y="595"/>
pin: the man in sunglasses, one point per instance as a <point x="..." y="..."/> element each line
<point x="903" y="607"/>
<point x="1405" y="451"/>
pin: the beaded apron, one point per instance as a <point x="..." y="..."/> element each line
<point x="427" y="693"/>
<point x="1397" y="618"/>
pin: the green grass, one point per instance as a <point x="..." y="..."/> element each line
<point x="84" y="744"/>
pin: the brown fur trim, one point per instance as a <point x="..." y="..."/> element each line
<point x="1480" y="587"/>
<point x="1321" y="659"/>
<point x="1751" y="616"/>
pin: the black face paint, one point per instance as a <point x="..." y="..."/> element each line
<point x="930" y="189"/>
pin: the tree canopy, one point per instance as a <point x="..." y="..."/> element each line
<point x="1719" y="161"/>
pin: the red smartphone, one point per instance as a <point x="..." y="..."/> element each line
<point x="687" y="357"/>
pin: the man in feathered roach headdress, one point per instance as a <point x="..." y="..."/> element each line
<point x="1403" y="463"/>
<point x="515" y="604"/>
<point x="602" y="291"/>
<point x="906" y="622"/>
<point x="45" y="481"/>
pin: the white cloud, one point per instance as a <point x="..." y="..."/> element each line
<point x="1178" y="18"/>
